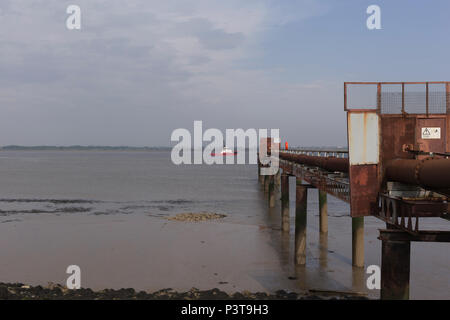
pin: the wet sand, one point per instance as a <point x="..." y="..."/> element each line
<point x="144" y="253"/>
<point x="151" y="253"/>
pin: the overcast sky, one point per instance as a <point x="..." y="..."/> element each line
<point x="138" y="69"/>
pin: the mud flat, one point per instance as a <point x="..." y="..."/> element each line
<point x="148" y="254"/>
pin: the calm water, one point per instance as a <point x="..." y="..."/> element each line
<point x="122" y="183"/>
<point x="105" y="211"/>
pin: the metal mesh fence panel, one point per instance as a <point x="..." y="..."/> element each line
<point x="394" y="98"/>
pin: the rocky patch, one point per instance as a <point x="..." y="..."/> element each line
<point x="196" y="217"/>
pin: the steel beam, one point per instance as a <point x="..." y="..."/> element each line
<point x="358" y="242"/>
<point x="421" y="236"/>
<point x="266" y="183"/>
<point x="395" y="270"/>
<point x="271" y="191"/>
<point x="285" y="219"/>
<point x="300" y="224"/>
<point x="323" y="212"/>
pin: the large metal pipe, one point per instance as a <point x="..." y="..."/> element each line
<point x="328" y="163"/>
<point x="427" y="173"/>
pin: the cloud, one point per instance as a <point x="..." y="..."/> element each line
<point x="137" y="69"/>
<point x="208" y="36"/>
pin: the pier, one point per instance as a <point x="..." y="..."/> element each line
<point x="396" y="168"/>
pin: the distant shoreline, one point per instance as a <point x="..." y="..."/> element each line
<point x="124" y="148"/>
<point x="81" y="148"/>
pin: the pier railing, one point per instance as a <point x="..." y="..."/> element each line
<point x="432" y="97"/>
<point x="319" y="152"/>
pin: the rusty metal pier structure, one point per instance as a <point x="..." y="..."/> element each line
<point x="396" y="168"/>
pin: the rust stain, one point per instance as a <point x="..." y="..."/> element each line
<point x="363" y="189"/>
<point x="362" y="178"/>
<point x="349" y="128"/>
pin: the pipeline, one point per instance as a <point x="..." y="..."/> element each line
<point x="427" y="173"/>
<point x="328" y="163"/>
